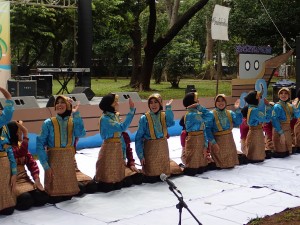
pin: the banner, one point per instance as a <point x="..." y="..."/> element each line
<point x="219" y="23"/>
<point x="5" y="60"/>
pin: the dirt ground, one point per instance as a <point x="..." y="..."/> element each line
<point x="287" y="217"/>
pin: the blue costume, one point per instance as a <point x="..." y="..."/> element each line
<point x="282" y="114"/>
<point x="46" y="137"/>
<point x="194" y="153"/>
<point x="58" y="135"/>
<point x="110" y="166"/>
<point x="143" y="131"/>
<point x="219" y="131"/>
<point x="255" y="142"/>
<point x="8" y="166"/>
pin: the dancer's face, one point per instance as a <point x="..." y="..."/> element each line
<point x="60" y="106"/>
<point x="284" y="96"/>
<point x="220" y="103"/>
<point x="154" y="105"/>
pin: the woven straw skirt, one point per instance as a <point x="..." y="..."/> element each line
<point x="7" y="198"/>
<point x="24" y="183"/>
<point x="278" y="147"/>
<point x="269" y="143"/>
<point x="157" y="159"/>
<point x="255" y="144"/>
<point x="193" y="156"/>
<point x="64" y="182"/>
<point x="227" y="156"/>
<point x="81" y="177"/>
<point x="110" y="166"/>
<point x="297" y="133"/>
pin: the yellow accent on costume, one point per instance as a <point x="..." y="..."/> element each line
<point x="151" y="125"/>
<point x="57" y="140"/>
<point x="218" y="121"/>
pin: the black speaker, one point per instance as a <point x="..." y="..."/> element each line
<point x="22" y="87"/>
<point x="27" y="88"/>
<point x="13" y="87"/>
<point x="76" y="97"/>
<point x="44" y="84"/>
<point x="86" y="90"/>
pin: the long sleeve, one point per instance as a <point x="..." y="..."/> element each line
<point x="169" y="116"/>
<point x="257" y="116"/>
<point x="129" y="155"/>
<point x="30" y="162"/>
<point x="41" y="142"/>
<point x="79" y="130"/>
<point x="7" y="112"/>
<point x="139" y="137"/>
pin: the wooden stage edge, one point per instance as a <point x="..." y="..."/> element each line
<point x="34" y="117"/>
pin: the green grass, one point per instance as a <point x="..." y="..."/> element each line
<point x="205" y="88"/>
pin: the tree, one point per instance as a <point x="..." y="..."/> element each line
<point x="153" y="47"/>
<point x="250" y="23"/>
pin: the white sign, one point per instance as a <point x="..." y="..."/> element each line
<point x="219" y="23"/>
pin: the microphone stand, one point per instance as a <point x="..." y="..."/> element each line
<point x="181" y="205"/>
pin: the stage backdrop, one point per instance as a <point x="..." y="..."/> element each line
<point x="5" y="67"/>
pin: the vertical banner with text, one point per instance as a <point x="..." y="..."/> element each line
<point x="219" y="23"/>
<point x="5" y="60"/>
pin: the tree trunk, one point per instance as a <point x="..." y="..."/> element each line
<point x="209" y="50"/>
<point x="136" y="36"/>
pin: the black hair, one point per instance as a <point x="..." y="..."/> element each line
<point x="13" y="132"/>
<point x="106" y="102"/>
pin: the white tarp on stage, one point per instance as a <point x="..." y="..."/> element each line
<point x="227" y="197"/>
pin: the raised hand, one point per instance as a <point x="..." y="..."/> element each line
<point x="131" y="103"/>
<point x="75" y="106"/>
<point x="169" y="102"/>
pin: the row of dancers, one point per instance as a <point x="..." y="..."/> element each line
<point x="207" y="142"/>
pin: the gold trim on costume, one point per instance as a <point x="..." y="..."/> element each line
<point x="151" y="125"/>
<point x="218" y="121"/>
<point x="195" y="133"/>
<point x="56" y="128"/>
<point x="3" y="154"/>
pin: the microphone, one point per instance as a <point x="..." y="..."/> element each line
<point x="165" y="178"/>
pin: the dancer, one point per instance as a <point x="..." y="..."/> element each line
<point x="255" y="144"/>
<point x="283" y="113"/>
<point x="195" y="153"/>
<point x="151" y="140"/>
<point x="57" y="136"/>
<point x="219" y="132"/>
<point x="8" y="166"/>
<point x="29" y="191"/>
<point x="110" y="166"/>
